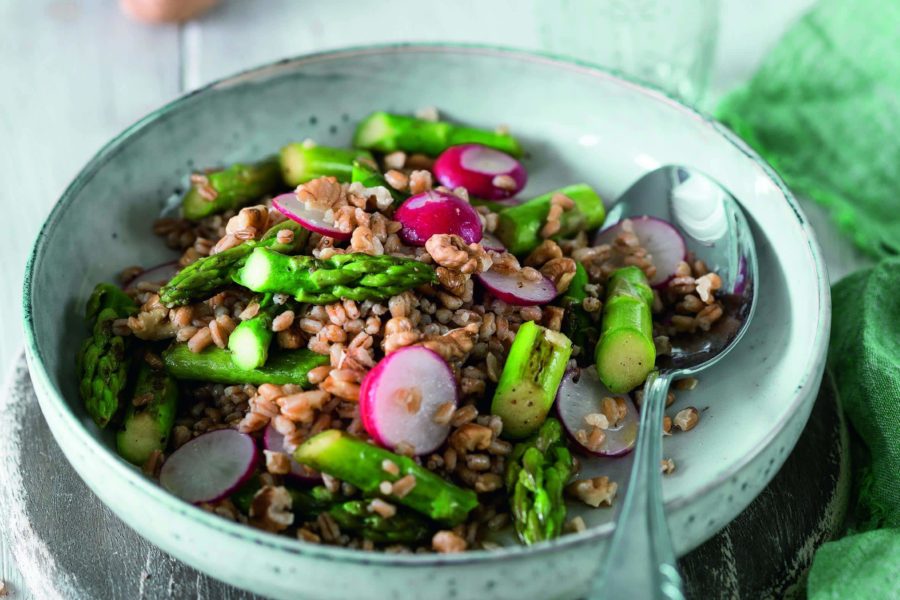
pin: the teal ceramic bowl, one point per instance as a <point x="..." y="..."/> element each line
<point x="579" y="123"/>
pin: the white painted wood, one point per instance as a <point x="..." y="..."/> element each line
<point x="73" y="73"/>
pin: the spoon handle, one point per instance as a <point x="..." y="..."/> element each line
<point x="641" y="563"/>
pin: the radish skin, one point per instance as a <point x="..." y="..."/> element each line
<point x="432" y="213"/>
<point x="484" y="172"/>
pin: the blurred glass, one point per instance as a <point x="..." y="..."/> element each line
<point x="669" y="44"/>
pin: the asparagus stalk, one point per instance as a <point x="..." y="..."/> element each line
<point x="217" y="365"/>
<point x="231" y="188"/>
<point x="536" y="474"/>
<point x="577" y="322"/>
<point x="625" y="354"/>
<point x="202" y="278"/>
<point x="404" y="527"/>
<point x="343" y="276"/>
<point x="385" y="132"/>
<point x="361" y="464"/>
<point x="250" y="340"/>
<point x="301" y="163"/>
<point x="519" y="227"/>
<point x="146" y="427"/>
<point x="367" y="173"/>
<point x="533" y="371"/>
<point x="103" y="361"/>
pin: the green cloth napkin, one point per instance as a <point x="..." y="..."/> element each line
<point x="864" y="358"/>
<point x="824" y="110"/>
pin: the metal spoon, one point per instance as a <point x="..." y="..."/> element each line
<point x="641" y="561"/>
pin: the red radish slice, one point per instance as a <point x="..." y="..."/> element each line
<point x="434" y="212"/>
<point x="211" y="466"/>
<point x="401" y="397"/>
<point x="274" y="442"/>
<point x="659" y="238"/>
<point x="311" y="218"/>
<point x="580" y="395"/>
<point x="485" y="172"/>
<point x="514" y="288"/>
<point x="159" y="274"/>
<point x="490" y="242"/>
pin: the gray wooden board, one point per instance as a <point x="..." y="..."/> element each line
<point x="67" y="544"/>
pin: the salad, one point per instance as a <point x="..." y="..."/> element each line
<point x="384" y="347"/>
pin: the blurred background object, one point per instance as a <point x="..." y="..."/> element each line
<point x="664" y="43"/>
<point x="166" y="11"/>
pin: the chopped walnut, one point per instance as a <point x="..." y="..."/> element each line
<point x="271" y="509"/>
<point x="323" y="193"/>
<point x="419" y="181"/>
<point x="454" y="345"/>
<point x="277" y="463"/>
<point x="547" y="250"/>
<point x="250" y="222"/>
<point x="594" y="492"/>
<point x="707" y="285"/>
<point x="667" y="466"/>
<point x="452" y="252"/>
<point x="560" y="271"/>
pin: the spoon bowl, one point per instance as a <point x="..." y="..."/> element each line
<point x="641" y="561"/>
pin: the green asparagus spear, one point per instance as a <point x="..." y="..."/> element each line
<point x="533" y="371"/>
<point x="625" y="354"/>
<point x="536" y="473"/>
<point x="343" y="276"/>
<point x="231" y="188"/>
<point x="385" y="132"/>
<point x="519" y="227"/>
<point x="147" y="427"/>
<point x="103" y="360"/>
<point x="202" y="278"/>
<point x="217" y="365"/>
<point x="367" y="173"/>
<point x="249" y="342"/>
<point x="404" y="527"/>
<point x="354" y="461"/>
<point x="301" y="163"/>
<point x="577" y="322"/>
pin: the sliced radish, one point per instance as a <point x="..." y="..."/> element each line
<point x="434" y="212"/>
<point x="274" y="442"/>
<point x="211" y="466"/>
<point x="580" y="395"/>
<point x="159" y="274"/>
<point x="659" y="238"/>
<point x="490" y="242"/>
<point x="311" y="218"/>
<point x="514" y="288"/>
<point x="401" y="397"/>
<point x="485" y="172"/>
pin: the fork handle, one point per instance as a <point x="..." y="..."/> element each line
<point x="640" y="563"/>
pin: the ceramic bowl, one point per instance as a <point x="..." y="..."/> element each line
<point x="579" y="123"/>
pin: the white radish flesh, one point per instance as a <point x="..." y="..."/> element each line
<point x="659" y="238"/>
<point x="408" y="398"/>
<point x="211" y="466"/>
<point x="484" y="172"/>
<point x="310" y="218"/>
<point x="515" y="288"/>
<point x="433" y="212"/>
<point x="580" y="399"/>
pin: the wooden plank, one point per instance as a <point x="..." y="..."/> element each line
<point x="74" y="73"/>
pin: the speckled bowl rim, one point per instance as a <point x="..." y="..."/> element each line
<point x="119" y="469"/>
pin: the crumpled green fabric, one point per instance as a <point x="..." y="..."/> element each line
<point x="824" y="110"/>
<point x="864" y="358"/>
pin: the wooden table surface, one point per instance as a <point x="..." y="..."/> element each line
<point x="73" y="73"/>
